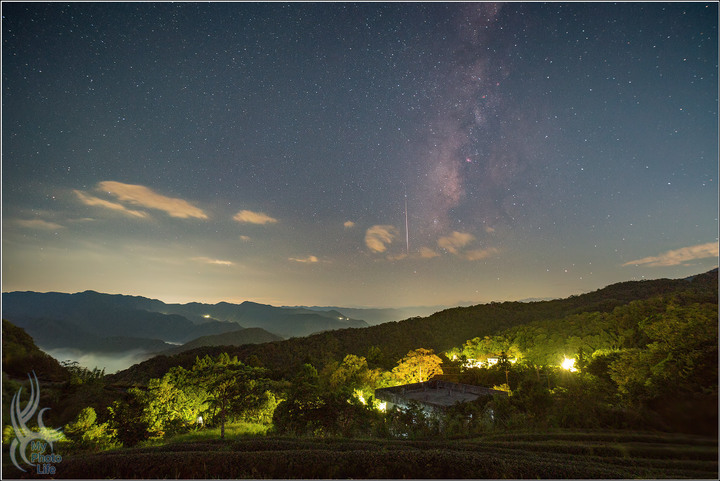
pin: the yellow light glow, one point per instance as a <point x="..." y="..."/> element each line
<point x="359" y="396"/>
<point x="569" y="364"/>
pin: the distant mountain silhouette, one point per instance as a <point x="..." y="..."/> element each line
<point x="283" y="321"/>
<point x="57" y="334"/>
<point x="93" y="322"/>
<point x="374" y="316"/>
<point x="96" y="322"/>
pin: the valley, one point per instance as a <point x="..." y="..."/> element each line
<point x="102" y="330"/>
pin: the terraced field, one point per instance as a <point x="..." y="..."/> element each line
<point x="561" y="454"/>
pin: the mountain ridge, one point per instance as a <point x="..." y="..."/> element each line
<point x="250" y="335"/>
<point x="81" y="320"/>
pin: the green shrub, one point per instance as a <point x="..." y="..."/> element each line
<point x="85" y="433"/>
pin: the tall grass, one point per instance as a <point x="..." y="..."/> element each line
<point x="232" y="431"/>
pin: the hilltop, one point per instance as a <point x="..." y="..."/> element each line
<point x="251" y="335"/>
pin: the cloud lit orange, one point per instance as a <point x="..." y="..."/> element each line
<point x="378" y="237"/>
<point x="39" y="224"/>
<point x="477" y="254"/>
<point x="427" y="253"/>
<point x="250" y="217"/>
<point x="98" y="202"/>
<point x="678" y="256"/>
<point x="145" y="197"/>
<point x="209" y="260"/>
<point x="455" y="241"/>
<point x="305" y="260"/>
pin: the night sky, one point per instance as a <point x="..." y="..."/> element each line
<point x="267" y="152"/>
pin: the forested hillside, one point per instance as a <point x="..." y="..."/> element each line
<point x="385" y="344"/>
<point x="20" y="356"/>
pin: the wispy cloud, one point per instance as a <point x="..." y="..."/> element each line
<point x="455" y="241"/>
<point x="250" y="217"/>
<point x="304" y="260"/>
<point x="427" y="253"/>
<point x="378" y="237"/>
<point x="349" y="224"/>
<point x="39" y="224"/>
<point x="477" y="254"/>
<point x="145" y="197"/>
<point x="456" y="244"/>
<point x="209" y="260"/>
<point x="678" y="256"/>
<point x="91" y="200"/>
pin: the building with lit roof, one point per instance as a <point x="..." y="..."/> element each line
<point x="433" y="396"/>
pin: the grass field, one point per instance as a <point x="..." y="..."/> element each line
<point x="557" y="454"/>
<point x="232" y="431"/>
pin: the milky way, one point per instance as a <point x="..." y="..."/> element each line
<point x="479" y="142"/>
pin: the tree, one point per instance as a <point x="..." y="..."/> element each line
<point x="128" y="421"/>
<point x="86" y="433"/>
<point x="504" y="365"/>
<point x="418" y="366"/>
<point x="412" y="422"/>
<point x="375" y="356"/>
<point x="353" y="373"/>
<point x="313" y="406"/>
<point x="224" y="389"/>
<point x="80" y="375"/>
<point x="167" y="406"/>
<point x="293" y="415"/>
<point x="681" y="355"/>
<point x="233" y="388"/>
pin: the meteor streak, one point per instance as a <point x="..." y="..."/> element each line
<point x="407" y="232"/>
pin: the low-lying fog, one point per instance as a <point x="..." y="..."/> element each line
<point x="90" y="360"/>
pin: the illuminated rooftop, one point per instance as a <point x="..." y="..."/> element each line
<point x="435" y="394"/>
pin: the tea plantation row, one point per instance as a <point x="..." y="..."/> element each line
<point x="563" y="455"/>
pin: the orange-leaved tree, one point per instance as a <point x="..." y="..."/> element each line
<point x="417" y="366"/>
